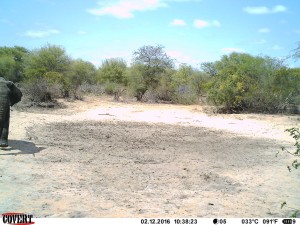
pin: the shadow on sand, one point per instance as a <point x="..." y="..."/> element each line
<point x="18" y="147"/>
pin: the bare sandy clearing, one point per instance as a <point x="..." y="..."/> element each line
<point x="99" y="158"/>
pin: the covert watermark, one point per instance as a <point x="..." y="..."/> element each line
<point x="14" y="218"/>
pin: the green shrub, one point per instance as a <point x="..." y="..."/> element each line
<point x="295" y="134"/>
<point x="257" y="84"/>
<point x="96" y="89"/>
<point x="137" y="85"/>
<point x="40" y="90"/>
<point x="112" y="74"/>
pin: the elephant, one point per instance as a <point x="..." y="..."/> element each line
<point x="9" y="95"/>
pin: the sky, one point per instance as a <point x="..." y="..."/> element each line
<point x="192" y="31"/>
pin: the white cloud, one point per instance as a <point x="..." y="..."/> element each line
<point x="278" y="8"/>
<point x="178" y="22"/>
<point x="230" y="50"/>
<point x="265" y="10"/>
<point x="81" y="32"/>
<point x="174" y="54"/>
<point x="41" y="33"/>
<point x="97" y="59"/>
<point x="46" y="1"/>
<point x="215" y="23"/>
<point x="181" y="57"/>
<point x="260" y="42"/>
<point x="256" y="10"/>
<point x="202" y="23"/>
<point x="124" y="9"/>
<point x="182" y="0"/>
<point x="264" y="30"/>
<point x="276" y="47"/>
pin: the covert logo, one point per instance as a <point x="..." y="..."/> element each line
<point x="17" y="218"/>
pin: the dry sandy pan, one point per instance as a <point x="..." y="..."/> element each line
<point x="98" y="158"/>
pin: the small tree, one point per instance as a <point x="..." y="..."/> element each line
<point x="44" y="67"/>
<point x="182" y="84"/>
<point x="296" y="52"/>
<point x="12" y="62"/>
<point x="7" y="67"/>
<point x="245" y="82"/>
<point x="199" y="81"/>
<point x="80" y="72"/>
<point x="50" y="58"/>
<point x="113" y="74"/>
<point x="209" y="68"/>
<point x="137" y="83"/>
<point x="165" y="90"/>
<point x="150" y="62"/>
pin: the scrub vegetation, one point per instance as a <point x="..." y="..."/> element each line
<point x="238" y="82"/>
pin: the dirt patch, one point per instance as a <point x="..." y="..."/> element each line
<point x="104" y="159"/>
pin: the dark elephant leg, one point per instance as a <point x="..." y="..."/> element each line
<point x="4" y="128"/>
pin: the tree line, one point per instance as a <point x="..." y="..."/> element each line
<point x="235" y="83"/>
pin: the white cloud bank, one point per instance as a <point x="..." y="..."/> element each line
<point x="178" y="22"/>
<point x="41" y="33"/>
<point x="260" y="42"/>
<point x="203" y="23"/>
<point x="264" y="30"/>
<point x="230" y="50"/>
<point x="181" y="57"/>
<point x="124" y="9"/>
<point x="277" y="47"/>
<point x="264" y="9"/>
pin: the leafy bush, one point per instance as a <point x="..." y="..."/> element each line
<point x="95" y="89"/>
<point x="45" y="73"/>
<point x="40" y="90"/>
<point x="112" y="74"/>
<point x="114" y="89"/>
<point x="149" y="65"/>
<point x="136" y="83"/>
<point x="164" y="91"/>
<point x="185" y="99"/>
<point x="79" y="72"/>
<point x="237" y="82"/>
<point x="12" y="62"/>
<point x="295" y="133"/>
<point x="258" y="84"/>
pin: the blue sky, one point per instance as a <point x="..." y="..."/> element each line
<point x="192" y="31"/>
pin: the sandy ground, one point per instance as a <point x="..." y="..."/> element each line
<point x="98" y="158"/>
